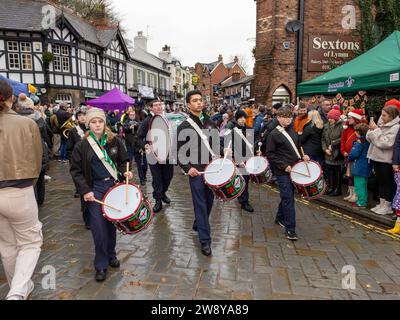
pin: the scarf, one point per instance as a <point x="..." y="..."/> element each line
<point x="102" y="143"/>
<point x="299" y="123"/>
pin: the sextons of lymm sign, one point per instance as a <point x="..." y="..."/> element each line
<point x="326" y="51"/>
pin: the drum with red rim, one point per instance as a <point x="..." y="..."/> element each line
<point x="308" y="179"/>
<point x="224" y="179"/>
<point x="129" y="217"/>
<point x="259" y="170"/>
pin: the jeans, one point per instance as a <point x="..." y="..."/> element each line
<point x="63" y="150"/>
<point x="286" y="211"/>
<point x="244" y="197"/>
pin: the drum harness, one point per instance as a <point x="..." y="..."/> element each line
<point x="202" y="135"/>
<point x="80" y="131"/>
<point x="289" y="138"/>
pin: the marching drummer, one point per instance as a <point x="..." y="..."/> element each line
<point x="193" y="162"/>
<point x="237" y="131"/>
<point x="283" y="152"/>
<point x="162" y="173"/>
<point x="96" y="164"/>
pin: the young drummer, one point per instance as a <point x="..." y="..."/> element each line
<point x="97" y="162"/>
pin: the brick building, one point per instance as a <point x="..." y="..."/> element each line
<point x="287" y="53"/>
<point x="212" y="75"/>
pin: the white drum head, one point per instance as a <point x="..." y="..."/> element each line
<point x="214" y="176"/>
<point x="116" y="198"/>
<point x="300" y="174"/>
<point x="159" y="137"/>
<point x="256" y="165"/>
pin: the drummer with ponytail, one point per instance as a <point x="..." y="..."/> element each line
<point x="97" y="163"/>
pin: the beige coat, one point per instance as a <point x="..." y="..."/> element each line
<point x="382" y="140"/>
<point x="21" y="147"/>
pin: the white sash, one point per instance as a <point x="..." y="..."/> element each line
<point x="80" y="131"/>
<point x="241" y="135"/>
<point x="202" y="135"/>
<point x="100" y="155"/>
<point x="289" y="138"/>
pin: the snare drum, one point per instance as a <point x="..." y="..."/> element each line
<point x="258" y="169"/>
<point x="309" y="182"/>
<point x="226" y="182"/>
<point x="132" y="217"/>
<point x="160" y="137"/>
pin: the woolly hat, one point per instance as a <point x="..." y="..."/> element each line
<point x="357" y="115"/>
<point x="239" y="114"/>
<point x="393" y="102"/>
<point x="25" y="102"/>
<point x="94" y="113"/>
<point x="334" y="114"/>
<point x="277" y="106"/>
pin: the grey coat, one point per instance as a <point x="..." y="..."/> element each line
<point x="332" y="136"/>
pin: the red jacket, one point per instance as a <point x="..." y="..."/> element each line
<point x="348" y="138"/>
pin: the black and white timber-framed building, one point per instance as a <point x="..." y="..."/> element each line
<point x="86" y="60"/>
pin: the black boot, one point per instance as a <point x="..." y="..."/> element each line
<point x="165" y="199"/>
<point x="247" y="207"/>
<point x="101" y="275"/>
<point x="158" y="206"/>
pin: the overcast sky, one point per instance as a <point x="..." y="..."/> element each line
<point x="196" y="30"/>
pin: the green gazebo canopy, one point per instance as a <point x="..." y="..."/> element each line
<point x="378" y="68"/>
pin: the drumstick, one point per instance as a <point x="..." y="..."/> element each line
<point x="226" y="155"/>
<point x="204" y="172"/>
<point x="106" y="205"/>
<point x="308" y="169"/>
<point x="302" y="174"/>
<point x="127" y="183"/>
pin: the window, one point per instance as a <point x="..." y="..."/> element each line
<point x="91" y="64"/>
<point x="61" y="58"/>
<point x="26" y="61"/>
<point x="13" y="59"/>
<point x="26" y="47"/>
<point x="152" y="80"/>
<point x="12" y="46"/>
<point x="140" y="76"/>
<point x="163" y="83"/>
<point x="114" y="71"/>
<point x="63" y="98"/>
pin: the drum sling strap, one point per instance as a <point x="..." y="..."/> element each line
<point x="80" y="131"/>
<point x="100" y="155"/>
<point x="241" y="135"/>
<point x="289" y="138"/>
<point x="202" y="135"/>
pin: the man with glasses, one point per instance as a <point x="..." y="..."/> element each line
<point x="282" y="152"/>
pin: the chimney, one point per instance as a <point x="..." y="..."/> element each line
<point x="236" y="60"/>
<point x="220" y="58"/>
<point x="140" y="41"/>
<point x="100" y="19"/>
<point x="165" y="54"/>
<point x="235" y="76"/>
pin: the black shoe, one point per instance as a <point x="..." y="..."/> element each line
<point x="279" y="222"/>
<point x="76" y="195"/>
<point x="247" y="207"/>
<point x="194" y="227"/>
<point x="101" y="275"/>
<point x="114" y="263"/>
<point x="291" y="235"/>
<point x="158" y="206"/>
<point x="165" y="199"/>
<point x="206" y="250"/>
<point x="335" y="193"/>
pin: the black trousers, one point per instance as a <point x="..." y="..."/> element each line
<point x="162" y="175"/>
<point x="334" y="176"/>
<point x="40" y="188"/>
<point x="385" y="179"/>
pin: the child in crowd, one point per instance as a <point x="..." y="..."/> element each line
<point x="360" y="167"/>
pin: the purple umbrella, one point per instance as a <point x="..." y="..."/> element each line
<point x="112" y="100"/>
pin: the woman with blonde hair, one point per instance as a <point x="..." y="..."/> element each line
<point x="94" y="171"/>
<point x="310" y="138"/>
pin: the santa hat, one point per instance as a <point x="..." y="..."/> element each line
<point x="356" y="114"/>
<point x="393" y="102"/>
